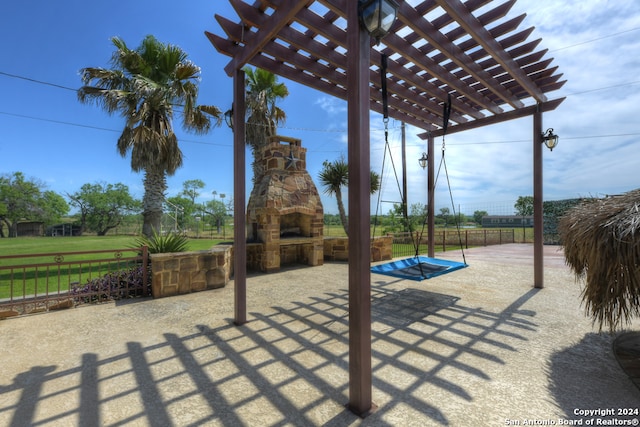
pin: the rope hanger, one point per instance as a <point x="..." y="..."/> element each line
<point x="446" y="113"/>
<point x="419" y="273"/>
<point x="385" y="120"/>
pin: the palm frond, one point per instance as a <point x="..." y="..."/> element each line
<point x="601" y="240"/>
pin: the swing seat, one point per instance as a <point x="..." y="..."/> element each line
<point x="418" y="268"/>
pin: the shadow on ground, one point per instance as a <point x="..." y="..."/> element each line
<point x="287" y="367"/>
<point x="581" y="371"/>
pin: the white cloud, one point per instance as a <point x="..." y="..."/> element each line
<point x="331" y="105"/>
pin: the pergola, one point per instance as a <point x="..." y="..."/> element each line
<point x="466" y="50"/>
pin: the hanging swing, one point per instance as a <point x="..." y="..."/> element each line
<point x="418" y="267"/>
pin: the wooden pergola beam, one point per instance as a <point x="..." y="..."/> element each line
<point x="439" y="41"/>
<point x="255" y="42"/>
<point x="492" y="120"/>
<point x="456" y="10"/>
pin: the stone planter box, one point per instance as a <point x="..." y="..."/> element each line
<point x="186" y="272"/>
<point x="337" y="248"/>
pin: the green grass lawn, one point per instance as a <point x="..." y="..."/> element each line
<point x="48" y="245"/>
<point x="57" y="277"/>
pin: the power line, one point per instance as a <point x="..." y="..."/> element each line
<point x="514" y="141"/>
<point x="635" y="82"/>
<point x="596" y="39"/>
<point x="15" y="76"/>
<point x="605" y="88"/>
<point x="60" y="122"/>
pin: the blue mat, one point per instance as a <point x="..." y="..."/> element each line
<point x="418" y="269"/>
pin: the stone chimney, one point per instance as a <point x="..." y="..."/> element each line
<point x="285" y="213"/>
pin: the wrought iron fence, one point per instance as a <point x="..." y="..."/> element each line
<point x="40" y="282"/>
<point x="404" y="244"/>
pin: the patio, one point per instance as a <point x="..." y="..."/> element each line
<point x="476" y="347"/>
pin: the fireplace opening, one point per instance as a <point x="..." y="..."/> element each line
<point x="295" y="225"/>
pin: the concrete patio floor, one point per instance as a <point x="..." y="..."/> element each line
<point x="477" y="347"/>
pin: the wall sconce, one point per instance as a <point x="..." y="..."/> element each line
<point x="377" y="16"/>
<point x="228" y="117"/>
<point x="423" y="160"/>
<point x="549" y="139"/>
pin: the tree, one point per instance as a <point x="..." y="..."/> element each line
<point x="190" y="189"/>
<point x="263" y="116"/>
<point x="444" y="215"/>
<point x="478" y="215"/>
<point x="25" y="199"/>
<point x="524" y="206"/>
<point x="53" y="207"/>
<point x="102" y="206"/>
<point x="417" y="215"/>
<point x="397" y="222"/>
<point x="217" y="211"/>
<point x="145" y="86"/>
<point x="335" y="175"/>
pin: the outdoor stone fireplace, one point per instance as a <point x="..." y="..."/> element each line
<point x="284" y="214"/>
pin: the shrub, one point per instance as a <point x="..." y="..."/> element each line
<point x="113" y="286"/>
<point x="159" y="244"/>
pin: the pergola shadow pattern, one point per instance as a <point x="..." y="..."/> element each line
<point x="286" y="367"/>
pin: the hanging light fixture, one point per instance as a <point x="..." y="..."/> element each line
<point x="423" y="160"/>
<point x="549" y="139"/>
<point x="228" y="117"/>
<point x="377" y="16"/>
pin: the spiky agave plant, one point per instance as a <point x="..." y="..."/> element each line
<point x="159" y="244"/>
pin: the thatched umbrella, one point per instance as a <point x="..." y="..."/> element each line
<point x="601" y="240"/>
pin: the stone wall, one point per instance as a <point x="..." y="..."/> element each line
<point x="337" y="248"/>
<point x="255" y="253"/>
<point x="303" y="251"/>
<point x="185" y="272"/>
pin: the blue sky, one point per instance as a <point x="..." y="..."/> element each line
<point x="47" y="134"/>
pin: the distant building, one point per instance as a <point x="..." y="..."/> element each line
<point x="64" y="230"/>
<point x="507" y="221"/>
<point x="30" y="229"/>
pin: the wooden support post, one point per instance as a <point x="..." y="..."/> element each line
<point x="538" y="231"/>
<point x="239" y="201"/>
<point x="360" y="375"/>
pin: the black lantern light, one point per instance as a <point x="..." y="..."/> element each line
<point x="423" y="160"/>
<point x="549" y="139"/>
<point x="377" y="16"/>
<point x="228" y="117"/>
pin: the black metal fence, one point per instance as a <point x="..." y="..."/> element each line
<point x="404" y="244"/>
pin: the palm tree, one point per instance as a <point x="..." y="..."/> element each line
<point x="263" y="116"/>
<point x="335" y="175"/>
<point x="145" y="86"/>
